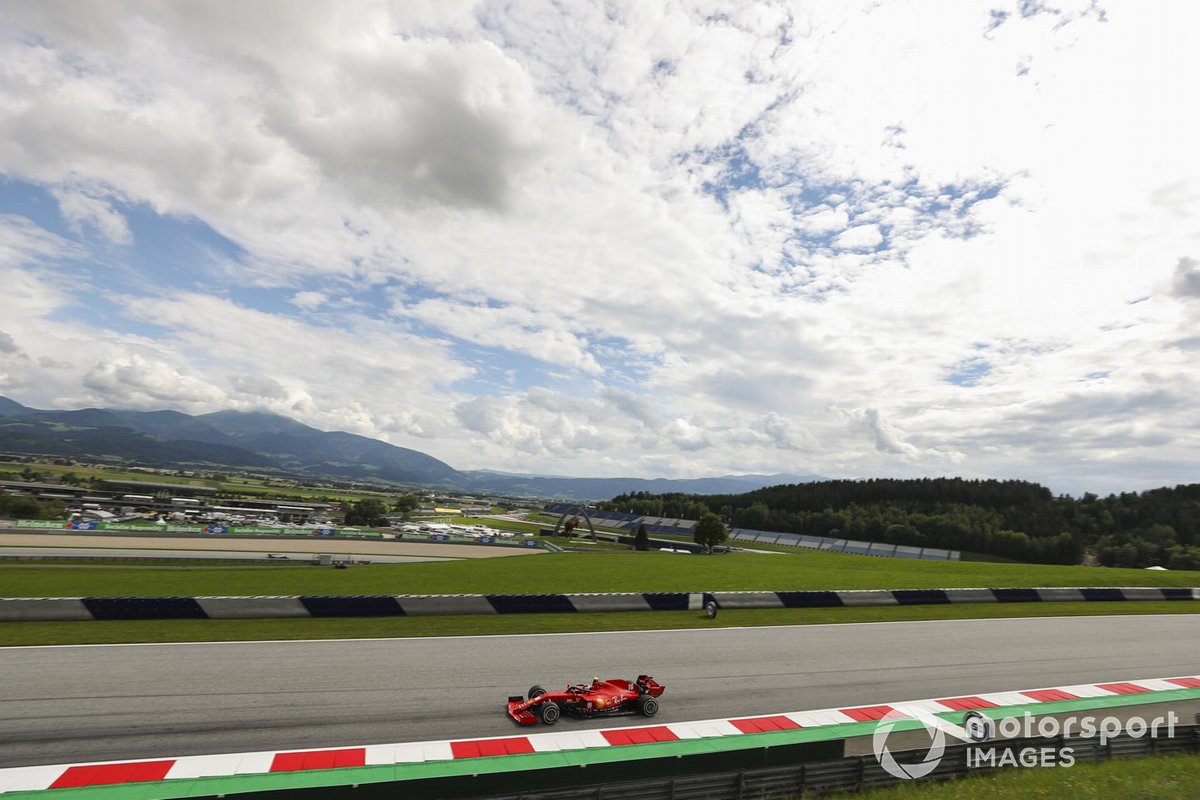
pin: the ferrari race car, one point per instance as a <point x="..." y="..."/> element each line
<point x="596" y="699"/>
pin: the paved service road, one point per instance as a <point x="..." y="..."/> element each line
<point x="265" y="544"/>
<point x="50" y="553"/>
<point x="73" y="704"/>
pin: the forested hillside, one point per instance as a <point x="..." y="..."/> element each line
<point x="1010" y="519"/>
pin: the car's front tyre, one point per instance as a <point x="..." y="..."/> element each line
<point x="550" y="712"/>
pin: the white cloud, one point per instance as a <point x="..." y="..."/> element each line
<point x="824" y="220"/>
<point x="860" y="237"/>
<point x="1187" y="279"/>
<point x="544" y="336"/>
<point x="722" y="223"/>
<point x="137" y="382"/>
<point x="80" y="210"/>
<point x="9" y="346"/>
<point x="309" y="301"/>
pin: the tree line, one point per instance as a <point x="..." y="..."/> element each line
<point x="1007" y="519"/>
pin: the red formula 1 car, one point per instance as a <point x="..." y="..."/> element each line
<point x="596" y="699"/>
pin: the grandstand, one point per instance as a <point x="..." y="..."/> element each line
<point x="629" y="522"/>
<point x="843" y="545"/>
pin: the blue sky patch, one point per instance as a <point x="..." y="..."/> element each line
<point x="968" y="372"/>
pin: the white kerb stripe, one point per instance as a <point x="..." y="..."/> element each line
<point x="29" y="779"/>
<point x="394" y="754"/>
<point x="1087" y="690"/>
<point x="1007" y="698"/>
<point x="685" y="730"/>
<point x="253" y="763"/>
<point x="1158" y="685"/>
<point x="715" y="727"/>
<point x="932" y="706"/>
<point x="815" y="719"/>
<point x="436" y="751"/>
<point x="576" y="740"/>
<point x="203" y="766"/>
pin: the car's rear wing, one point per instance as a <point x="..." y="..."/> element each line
<point x="650" y="686"/>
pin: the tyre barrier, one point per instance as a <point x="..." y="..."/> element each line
<point x="130" y="608"/>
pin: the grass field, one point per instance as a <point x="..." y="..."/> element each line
<point x="579" y="572"/>
<point x="108" y="632"/>
<point x="12" y="468"/>
<point x="554" y="573"/>
<point x="1174" y="777"/>
<point x="249" y="487"/>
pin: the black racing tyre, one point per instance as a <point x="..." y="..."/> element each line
<point x="647" y="705"/>
<point x="536" y="691"/>
<point x="710" y="608"/>
<point x="550" y="712"/>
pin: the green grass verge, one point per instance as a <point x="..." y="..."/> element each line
<point x="581" y="572"/>
<point x="586" y="545"/>
<point x="1173" y="777"/>
<point x="502" y="524"/>
<point x="44" y="633"/>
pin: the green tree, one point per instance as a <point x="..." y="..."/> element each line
<point x="641" y="541"/>
<point x="26" y="507"/>
<point x="407" y="503"/>
<point x="370" y="511"/>
<point x="710" y="531"/>
<point x="755" y="517"/>
<point x="1184" y="558"/>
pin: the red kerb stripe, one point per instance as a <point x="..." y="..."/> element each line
<point x="966" y="703"/>
<point x="764" y="724"/>
<point x="619" y="736"/>
<point x="319" y="759"/>
<point x="492" y="747"/>
<point x="1187" y="683"/>
<point x="1123" y="688"/>
<point x="867" y="713"/>
<point x="1049" y="695"/>
<point x="100" y="774"/>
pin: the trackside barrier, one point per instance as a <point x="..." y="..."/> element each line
<point x="855" y="773"/>
<point x="103" y="608"/>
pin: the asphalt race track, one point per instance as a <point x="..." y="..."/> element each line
<point x="75" y="704"/>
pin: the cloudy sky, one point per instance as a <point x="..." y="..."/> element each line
<point x="676" y="239"/>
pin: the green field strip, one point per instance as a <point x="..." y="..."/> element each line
<point x="233" y="785"/>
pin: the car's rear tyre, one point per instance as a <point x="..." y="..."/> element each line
<point x="536" y="691"/>
<point x="647" y="705"/>
<point x="550" y="712"/>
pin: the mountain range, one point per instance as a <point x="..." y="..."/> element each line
<point x="259" y="441"/>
